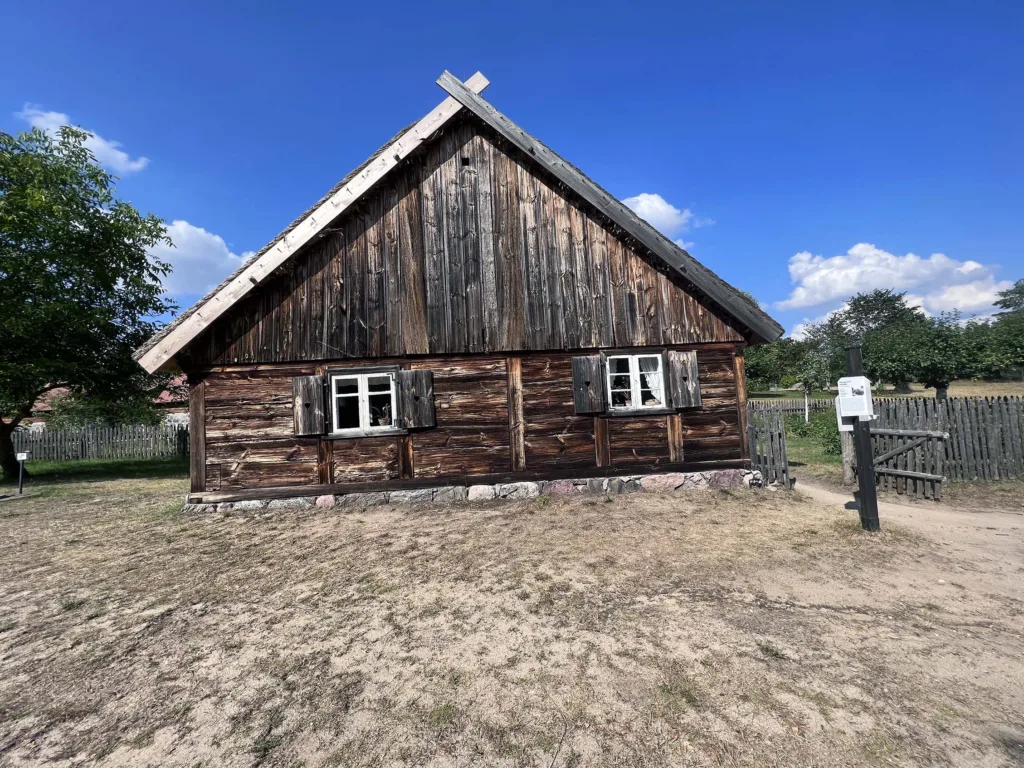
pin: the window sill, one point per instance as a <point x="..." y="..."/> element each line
<point x="365" y="433"/>
<point x="634" y="412"/>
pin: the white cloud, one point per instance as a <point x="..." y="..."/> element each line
<point x="662" y="215"/>
<point x="108" y="153"/>
<point x="199" y="260"/>
<point x="937" y="283"/>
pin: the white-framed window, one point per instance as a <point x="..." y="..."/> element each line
<point x="635" y="382"/>
<point x="362" y="403"/>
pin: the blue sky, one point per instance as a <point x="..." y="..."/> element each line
<point x="803" y="151"/>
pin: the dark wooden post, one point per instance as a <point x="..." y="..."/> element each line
<point x="197" y="434"/>
<point x="866" y="496"/>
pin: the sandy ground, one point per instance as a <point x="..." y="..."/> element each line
<point x="725" y="628"/>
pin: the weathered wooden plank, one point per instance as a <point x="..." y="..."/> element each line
<point x="469" y="238"/>
<point x="675" y="438"/>
<point x="365" y="459"/>
<point x="308" y="405"/>
<point x="740" y="377"/>
<point x="579" y="262"/>
<point x="393" y="193"/>
<point x="565" y="268"/>
<point x="683" y="378"/>
<point x="197" y="435"/>
<point x="415" y="391"/>
<point x="597" y="248"/>
<point x="267" y="451"/>
<point x="432" y="217"/>
<point x="602" y="447"/>
<point x="588" y="386"/>
<point x="355" y="284"/>
<point x="413" y="330"/>
<point x="640" y="442"/>
<point x="483" y="159"/>
<point x="454" y="272"/>
<point x="509" y="277"/>
<point x="538" y="320"/>
<point x="516" y="426"/>
<point x="376" y="278"/>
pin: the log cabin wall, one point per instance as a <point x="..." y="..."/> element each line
<point x="468" y="247"/>
<point x="250" y="441"/>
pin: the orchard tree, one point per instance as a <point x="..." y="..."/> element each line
<point x="1012" y="299"/>
<point x="78" y="290"/>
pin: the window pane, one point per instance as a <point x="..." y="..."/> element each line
<point x="381" y="410"/>
<point x="620" y="381"/>
<point x="346" y="386"/>
<point x="650" y="397"/>
<point x="622" y="399"/>
<point x="347" y="410"/>
<point x="379" y="383"/>
<point x="650" y="381"/>
<point x="619" y="364"/>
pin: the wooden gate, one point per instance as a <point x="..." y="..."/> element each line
<point x="909" y="461"/>
<point x="766" y="435"/>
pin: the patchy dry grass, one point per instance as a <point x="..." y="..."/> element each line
<point x="712" y="629"/>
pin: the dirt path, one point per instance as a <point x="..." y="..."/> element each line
<point x="987" y="533"/>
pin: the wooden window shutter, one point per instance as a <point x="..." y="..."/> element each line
<point x="416" y="398"/>
<point x="683" y="380"/>
<point x="308" y="410"/>
<point x="588" y="384"/>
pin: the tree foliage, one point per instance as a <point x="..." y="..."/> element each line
<point x="900" y="344"/>
<point x="78" y="290"/>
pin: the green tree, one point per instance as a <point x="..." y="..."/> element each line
<point x="1012" y="299"/>
<point x="78" y="291"/>
<point x="877" y="313"/>
<point x="936" y="352"/>
<point x="878" y="309"/>
<point x="762" y="366"/>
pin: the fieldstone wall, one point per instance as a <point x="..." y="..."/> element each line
<point x="667" y="482"/>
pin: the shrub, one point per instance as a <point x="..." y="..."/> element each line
<point x="822" y="427"/>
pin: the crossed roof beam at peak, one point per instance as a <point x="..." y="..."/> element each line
<point x="159" y="351"/>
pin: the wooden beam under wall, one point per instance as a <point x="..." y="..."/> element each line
<point x="741" y="399"/>
<point x="197" y="435"/>
<point x="675" y="437"/>
<point x="602" y="446"/>
<point x="516" y="427"/>
<point x="325" y="461"/>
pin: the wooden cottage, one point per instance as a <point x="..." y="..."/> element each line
<point x="466" y="307"/>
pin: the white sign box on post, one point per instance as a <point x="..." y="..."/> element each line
<point x="21" y="456"/>
<point x="854" y="401"/>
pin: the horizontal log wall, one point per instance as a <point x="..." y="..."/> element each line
<point x="250" y="442"/>
<point x="468" y="247"/>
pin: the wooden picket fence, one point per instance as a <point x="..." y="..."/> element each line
<point x="126" y="442"/>
<point x="985" y="437"/>
<point x="786" y="405"/>
<point x="766" y="433"/>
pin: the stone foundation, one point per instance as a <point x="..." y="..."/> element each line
<point x="668" y="482"/>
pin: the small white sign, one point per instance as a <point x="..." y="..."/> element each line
<point x="22" y="456"/>
<point x="854" y="399"/>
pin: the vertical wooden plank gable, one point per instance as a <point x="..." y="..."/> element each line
<point x="414" y="326"/>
